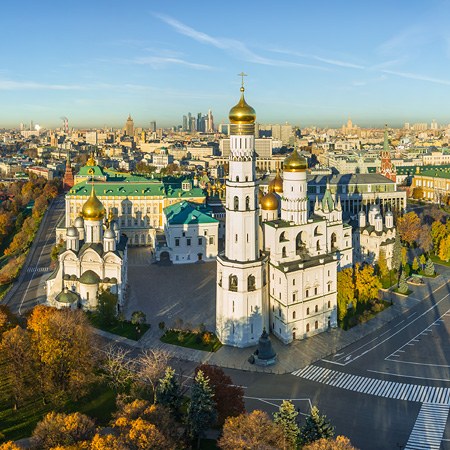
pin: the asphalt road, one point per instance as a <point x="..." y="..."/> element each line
<point x="31" y="288"/>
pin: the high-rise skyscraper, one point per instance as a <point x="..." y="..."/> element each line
<point x="185" y="124"/>
<point x="153" y="126"/>
<point x="129" y="126"/>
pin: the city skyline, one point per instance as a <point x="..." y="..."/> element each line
<point x="307" y="64"/>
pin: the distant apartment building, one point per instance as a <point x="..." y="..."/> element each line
<point x="263" y="147"/>
<point x="434" y="184"/>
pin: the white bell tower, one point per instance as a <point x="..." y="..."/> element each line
<point x="242" y="300"/>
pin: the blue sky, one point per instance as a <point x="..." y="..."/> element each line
<point x="307" y="62"/>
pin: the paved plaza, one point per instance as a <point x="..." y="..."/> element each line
<point x="187" y="292"/>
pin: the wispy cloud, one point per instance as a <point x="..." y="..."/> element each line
<point x="11" y="85"/>
<point x="415" y="76"/>
<point x="405" y="40"/>
<point x="232" y="46"/>
<point x="160" y="61"/>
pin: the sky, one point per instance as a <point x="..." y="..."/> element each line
<point x="308" y="62"/>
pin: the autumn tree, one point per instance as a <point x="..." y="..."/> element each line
<point x="345" y="292"/>
<point x="201" y="413"/>
<point x="10" y="445"/>
<point x="417" y="193"/>
<point x="286" y="418"/>
<point x="107" y="442"/>
<point x="18" y="363"/>
<point x="168" y="392"/>
<point x="367" y="285"/>
<point x="438" y="232"/>
<point x="340" y="443"/>
<point x="415" y="264"/>
<point x="62" y="341"/>
<point x="404" y="253"/>
<point x="228" y="398"/>
<point x="444" y="249"/>
<point x="57" y="429"/>
<point x="316" y="427"/>
<point x="396" y="253"/>
<point x="408" y="226"/>
<point x="254" y="430"/>
<point x="151" y="367"/>
<point x="422" y="260"/>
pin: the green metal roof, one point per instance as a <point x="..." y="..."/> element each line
<point x="89" y="171"/>
<point x="67" y="296"/>
<point x="186" y="213"/>
<point x="89" y="277"/>
<point x="436" y="173"/>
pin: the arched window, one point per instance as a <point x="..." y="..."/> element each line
<point x="316" y="324"/>
<point x="316" y="231"/>
<point x="318" y="245"/>
<point x="293" y="314"/>
<point x="333" y="240"/>
<point x="236" y="203"/>
<point x="251" y="284"/>
<point x="237" y="178"/>
<point x="283" y="252"/>
<point x="247" y="203"/>
<point x="282" y="237"/>
<point x="232" y="283"/>
<point x="307" y="311"/>
<point x="307" y="327"/>
<point x="220" y="278"/>
<point x="246" y="178"/>
<point x="317" y="308"/>
<point x="300" y="242"/>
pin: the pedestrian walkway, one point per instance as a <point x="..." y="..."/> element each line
<point x="38" y="269"/>
<point x="379" y="388"/>
<point x="429" y="428"/>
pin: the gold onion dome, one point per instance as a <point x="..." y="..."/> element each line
<point x="242" y="113"/>
<point x="295" y="163"/>
<point x="91" y="161"/>
<point x="277" y="183"/>
<point x="270" y="202"/>
<point x="93" y="209"/>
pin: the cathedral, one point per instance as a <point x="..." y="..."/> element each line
<point x="279" y="268"/>
<point x="94" y="259"/>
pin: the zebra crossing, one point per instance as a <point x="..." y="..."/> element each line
<point x="38" y="269"/>
<point x="429" y="427"/>
<point x="372" y="386"/>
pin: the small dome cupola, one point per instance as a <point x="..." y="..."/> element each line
<point x="242" y="112"/>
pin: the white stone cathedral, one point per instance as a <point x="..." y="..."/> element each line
<point x="279" y="268"/>
<point x="94" y="259"/>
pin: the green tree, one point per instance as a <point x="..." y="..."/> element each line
<point x="367" y="283"/>
<point x="429" y="268"/>
<point x="422" y="260"/>
<point x="107" y="307"/>
<point x="201" y="412"/>
<point x="415" y="264"/>
<point x="228" y="397"/>
<point x="138" y="318"/>
<point x="396" y="253"/>
<point x="404" y="253"/>
<point x="444" y="249"/>
<point x="402" y="284"/>
<point x="168" y="392"/>
<point x="345" y="292"/>
<point x="286" y="418"/>
<point x="316" y="427"/>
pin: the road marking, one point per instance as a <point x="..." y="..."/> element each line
<point x="389" y="337"/>
<point x="38" y="269"/>
<point x="414" y="339"/>
<point x="429" y="427"/>
<point x="372" y="386"/>
<point x="407" y="376"/>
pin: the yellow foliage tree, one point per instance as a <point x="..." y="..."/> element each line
<point x="367" y="284"/>
<point x="10" y="445"/>
<point x="340" y="443"/>
<point x="107" y="442"/>
<point x="444" y="249"/>
<point x="345" y="292"/>
<point x="408" y="226"/>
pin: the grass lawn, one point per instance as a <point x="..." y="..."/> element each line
<point x="4" y="288"/>
<point x="190" y="340"/>
<point x="389" y="280"/>
<point x="436" y="260"/>
<point x="98" y="404"/>
<point x="402" y="293"/>
<point x="125" y="328"/>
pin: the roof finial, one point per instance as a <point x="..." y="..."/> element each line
<point x="242" y="75"/>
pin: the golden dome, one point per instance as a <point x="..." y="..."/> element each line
<point x="242" y="113"/>
<point x="276" y="184"/>
<point x="295" y="163"/>
<point x="270" y="202"/>
<point x="91" y="161"/>
<point x="93" y="209"/>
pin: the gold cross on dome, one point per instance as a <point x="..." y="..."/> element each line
<point x="242" y="75"/>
